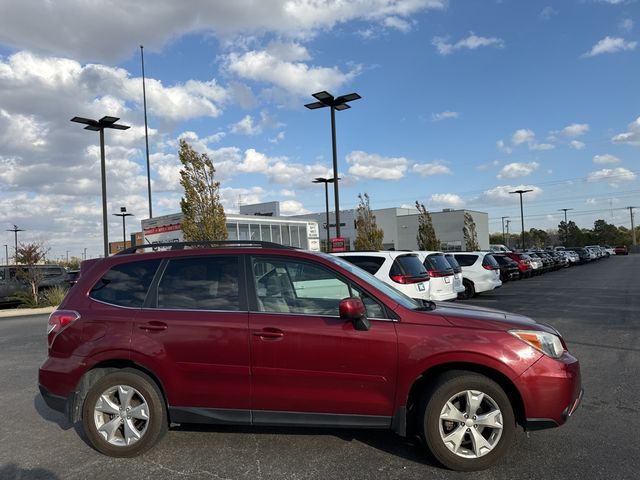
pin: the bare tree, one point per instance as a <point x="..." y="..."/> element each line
<point x="28" y="256"/>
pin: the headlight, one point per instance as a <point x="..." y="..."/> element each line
<point x="547" y="343"/>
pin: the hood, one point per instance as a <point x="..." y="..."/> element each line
<point x="467" y="316"/>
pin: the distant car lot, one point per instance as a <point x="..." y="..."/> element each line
<point x="599" y="320"/>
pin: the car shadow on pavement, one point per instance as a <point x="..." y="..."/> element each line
<point x="408" y="448"/>
<point x="50" y="415"/>
<point x="12" y="471"/>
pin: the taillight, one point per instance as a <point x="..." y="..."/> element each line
<point x="489" y="267"/>
<point x="58" y="321"/>
<point x="405" y="279"/>
<point x="435" y="273"/>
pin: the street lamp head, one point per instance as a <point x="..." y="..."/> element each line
<point x="349" y="97"/>
<point x="324" y="97"/>
<point x="324" y="180"/>
<point x="97" y="125"/>
<point x="342" y="106"/>
<point x="522" y="191"/>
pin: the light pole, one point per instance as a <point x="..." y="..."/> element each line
<point x="566" y="226"/>
<point x="326" y="182"/>
<point x="633" y="228"/>
<point x="503" y="238"/>
<point x="99" y="126"/>
<point x="146" y="131"/>
<point x="15" y="231"/>
<point x="520" y="192"/>
<point x="123" y="213"/>
<point x="325" y="99"/>
<point x="6" y="254"/>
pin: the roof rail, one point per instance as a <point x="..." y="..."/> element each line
<point x="204" y="244"/>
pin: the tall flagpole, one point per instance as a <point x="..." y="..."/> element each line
<point x="146" y="131"/>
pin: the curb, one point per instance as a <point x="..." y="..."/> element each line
<point x="22" y="312"/>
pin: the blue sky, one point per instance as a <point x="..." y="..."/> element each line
<point x="462" y="102"/>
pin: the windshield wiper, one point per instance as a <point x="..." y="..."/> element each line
<point x="427" y="305"/>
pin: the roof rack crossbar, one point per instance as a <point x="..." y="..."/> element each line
<point x="204" y="243"/>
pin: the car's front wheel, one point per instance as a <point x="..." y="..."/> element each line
<point x="467" y="421"/>
<point x="124" y="414"/>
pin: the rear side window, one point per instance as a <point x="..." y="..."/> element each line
<point x="409" y="265"/>
<point x="200" y="283"/>
<point x="454" y="263"/>
<point x="489" y="261"/>
<point x="127" y="284"/>
<point x="437" y="263"/>
<point x="368" y="264"/>
<point x="466" y="260"/>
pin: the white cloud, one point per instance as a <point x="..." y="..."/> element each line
<point x="575" y="130"/>
<point x="613" y="176"/>
<point x="486" y="166"/>
<point x="606" y="159"/>
<point x="632" y="137"/>
<point x="433" y="168"/>
<point x="577" y="145"/>
<point x="500" y="195"/>
<point x="372" y="165"/>
<point x="289" y="74"/>
<point x="503" y="147"/>
<point x="515" y="170"/>
<point x="626" y="25"/>
<point x="547" y="13"/>
<point x="36" y="25"/>
<point x="246" y="127"/>
<point x="292" y="207"/>
<point x="522" y="136"/>
<point x="436" y="117"/>
<point x="472" y="42"/>
<point x="446" y="200"/>
<point x="610" y="45"/>
<point x="277" y="139"/>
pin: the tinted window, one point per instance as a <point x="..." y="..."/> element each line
<point x="409" y="265"/>
<point x="127" y="284"/>
<point x="200" y="283"/>
<point x="466" y="260"/>
<point x="437" y="263"/>
<point x="490" y="261"/>
<point x="454" y="263"/>
<point x="368" y="264"/>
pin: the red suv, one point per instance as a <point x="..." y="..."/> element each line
<point x="258" y="334"/>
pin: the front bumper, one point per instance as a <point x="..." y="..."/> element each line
<point x="551" y="391"/>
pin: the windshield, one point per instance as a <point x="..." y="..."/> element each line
<point x="388" y="290"/>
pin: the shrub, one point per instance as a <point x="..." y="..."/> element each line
<point x="53" y="296"/>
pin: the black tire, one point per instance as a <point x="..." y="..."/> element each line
<point x="141" y="390"/>
<point x="452" y="385"/>
<point x="469" y="290"/>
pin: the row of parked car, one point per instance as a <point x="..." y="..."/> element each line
<point x="440" y="276"/>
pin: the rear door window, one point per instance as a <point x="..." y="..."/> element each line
<point x="127" y="284"/>
<point x="437" y="263"/>
<point x="453" y="262"/>
<point x="489" y="261"/>
<point x="367" y="263"/>
<point x="466" y="260"/>
<point x="200" y="283"/>
<point x="409" y="265"/>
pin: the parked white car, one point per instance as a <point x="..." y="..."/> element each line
<point x="402" y="270"/>
<point x="441" y="277"/>
<point x="480" y="272"/>
<point x="457" y="273"/>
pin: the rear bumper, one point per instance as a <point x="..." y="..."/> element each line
<point x="551" y="391"/>
<point x="54" y="402"/>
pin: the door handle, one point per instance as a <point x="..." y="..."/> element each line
<point x="270" y="334"/>
<point x="153" y="326"/>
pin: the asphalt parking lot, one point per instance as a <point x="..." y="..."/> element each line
<point x="595" y="306"/>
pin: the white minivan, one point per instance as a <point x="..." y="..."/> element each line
<point x="442" y="279"/>
<point x="480" y="272"/>
<point x="402" y="270"/>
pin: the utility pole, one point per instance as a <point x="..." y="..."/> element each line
<point x="15" y="231"/>
<point x="566" y="226"/>
<point x="503" y="238"/>
<point x="633" y="230"/>
<point x="508" y="236"/>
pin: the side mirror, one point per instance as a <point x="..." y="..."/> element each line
<point x="353" y="309"/>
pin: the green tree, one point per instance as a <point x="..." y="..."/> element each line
<point x="203" y="214"/>
<point x="605" y="233"/>
<point x="27" y="256"/>
<point x="369" y="236"/>
<point x="470" y="234"/>
<point x="426" y="238"/>
<point x="538" y="238"/>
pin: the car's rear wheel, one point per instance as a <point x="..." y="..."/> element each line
<point x="469" y="290"/>
<point x="467" y="421"/>
<point x="124" y="414"/>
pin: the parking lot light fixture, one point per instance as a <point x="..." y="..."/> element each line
<point x="99" y="126"/>
<point x="124" y="214"/>
<point x="325" y="99"/>
<point x="520" y="192"/>
<point x="326" y="182"/>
